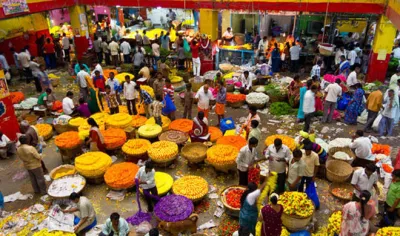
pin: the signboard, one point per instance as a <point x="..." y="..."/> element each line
<point x="8" y="121"/>
<point x="14" y="6"/>
<point x="4" y="92"/>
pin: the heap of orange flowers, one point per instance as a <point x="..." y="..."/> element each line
<point x="68" y="140"/>
<point x="232" y="98"/>
<point x="113" y="137"/>
<point x="380" y="149"/>
<point x="215" y="133"/>
<point x="121" y="175"/>
<point x="184" y="125"/>
<point x="57" y="106"/>
<point x="234" y="141"/>
<point x="138" y="120"/>
<point x="44" y="130"/>
<point x="17" y="97"/>
<point x="221" y="155"/>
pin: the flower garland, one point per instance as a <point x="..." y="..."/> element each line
<point x="68" y="140"/>
<point x="164" y="119"/>
<point x="381" y="149"/>
<point x="16" y="97"/>
<point x="385" y="231"/>
<point x="44" y="130"/>
<point x="296" y="203"/>
<point x="190" y="186"/>
<point x="100" y="118"/>
<point x="222" y="154"/>
<point x="334" y="223"/>
<point x="113" y="138"/>
<point x="215" y="133"/>
<point x="232" y="98"/>
<point x="121" y="175"/>
<point x="162" y="151"/>
<point x="138" y="120"/>
<point x="119" y="120"/>
<point x="184" y="125"/>
<point x="288" y="141"/>
<point x="234" y="141"/>
<point x="92" y="164"/>
<point x="149" y="131"/>
<point x="76" y="122"/>
<point x="269" y="188"/>
<point x="136" y="146"/>
<point x="173" y="208"/>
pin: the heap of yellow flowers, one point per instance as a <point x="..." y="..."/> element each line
<point x="164" y="182"/>
<point x="113" y="138"/>
<point x="175" y="79"/>
<point x="68" y="140"/>
<point x="136" y="146"/>
<point x="164" y="119"/>
<point x="92" y="164"/>
<point x="149" y="131"/>
<point x="288" y="141"/>
<point x="386" y="231"/>
<point x="45" y="232"/>
<point x="163" y="151"/>
<point x="119" y="120"/>
<point x="138" y="120"/>
<point x="121" y="77"/>
<point x="296" y="203"/>
<point x="76" y="122"/>
<point x="148" y="89"/>
<point x="222" y="155"/>
<point x="246" y="46"/>
<point x="100" y="118"/>
<point x="334" y="223"/>
<point x="121" y="175"/>
<point x="191" y="186"/>
<point x="269" y="188"/>
<point x="62" y="171"/>
<point x="84" y="129"/>
<point x="44" y="130"/>
<point x="24" y="214"/>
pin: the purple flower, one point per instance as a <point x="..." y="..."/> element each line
<point x="173" y="208"/>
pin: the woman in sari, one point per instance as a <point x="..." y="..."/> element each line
<point x="355" y="106"/>
<point x="276" y="59"/>
<point x="271" y="217"/>
<point x="344" y="66"/>
<point x="94" y="97"/>
<point x="319" y="95"/>
<point x="303" y="90"/>
<point x="199" y="132"/>
<point x="96" y="139"/>
<point x="294" y="91"/>
<point x="356" y="215"/>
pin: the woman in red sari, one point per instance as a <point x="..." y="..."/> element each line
<point x="95" y="137"/>
<point x="199" y="132"/>
<point x="271" y="217"/>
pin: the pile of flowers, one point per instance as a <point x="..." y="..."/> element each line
<point x="334" y="223"/>
<point x="57" y="106"/>
<point x="173" y="208"/>
<point x="232" y="98"/>
<point x="184" y="125"/>
<point x="76" y="122"/>
<point x="148" y="89"/>
<point x="62" y="171"/>
<point x="100" y="118"/>
<point x="114" y="138"/>
<point x="124" y="109"/>
<point x="269" y="188"/>
<point x="45" y="232"/>
<point x="395" y="231"/>
<point x="163" y="151"/>
<point x="234" y="141"/>
<point x="190" y="186"/>
<point x="164" y="119"/>
<point x="380" y="149"/>
<point x="138" y="120"/>
<point x="227" y="226"/>
<point x="285" y="232"/>
<point x="288" y="141"/>
<point x="136" y="146"/>
<point x="84" y="130"/>
<point x="9" y="225"/>
<point x="119" y="120"/>
<point x="17" y="97"/>
<point x="164" y="182"/>
<point x="233" y="197"/>
<point x="215" y="133"/>
<point x="92" y="164"/>
<point x="254" y="175"/>
<point x="222" y="154"/>
<point x="44" y="130"/>
<point x="257" y="98"/>
<point x="149" y="131"/>
<point x="121" y="77"/>
<point x="175" y="79"/>
<point x="68" y="140"/>
<point x="296" y="203"/>
<point x="121" y="175"/>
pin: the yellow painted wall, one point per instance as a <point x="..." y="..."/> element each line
<point x="74" y="13"/>
<point x="226" y="20"/>
<point x="384" y="35"/>
<point x="32" y="22"/>
<point x="348" y="27"/>
<point x="209" y="22"/>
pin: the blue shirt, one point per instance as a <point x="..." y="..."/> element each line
<point x="145" y="96"/>
<point x="3" y="62"/>
<point x="123" y="228"/>
<point x="15" y="55"/>
<point x="78" y="68"/>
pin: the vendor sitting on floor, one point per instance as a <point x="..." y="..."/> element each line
<point x="7" y="147"/>
<point x="87" y="215"/>
<point x="247" y="81"/>
<point x="46" y="99"/>
<point x="115" y="226"/>
<point x="199" y="132"/>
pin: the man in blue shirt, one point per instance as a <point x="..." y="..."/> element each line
<point x="115" y="226"/>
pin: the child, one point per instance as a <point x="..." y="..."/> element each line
<point x="111" y="99"/>
<point x="83" y="108"/>
<point x="255" y="131"/>
<point x="187" y="102"/>
<point x="155" y="109"/>
<point x="221" y="100"/>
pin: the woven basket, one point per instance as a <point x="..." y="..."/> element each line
<point x="119" y="189"/>
<point x="222" y="168"/>
<point x="195" y="86"/>
<point x="338" y="171"/>
<point x="164" y="163"/>
<point x="70" y="153"/>
<point x="279" y="98"/>
<point x="235" y="104"/>
<point x="346" y="150"/>
<point x="135" y="158"/>
<point x="230" y="88"/>
<point x="31" y="118"/>
<point x="55" y="170"/>
<point x="175" y="136"/>
<point x="48" y="136"/>
<point x="73" y="128"/>
<point x="346" y="186"/>
<point x="200" y="150"/>
<point x="62" y="128"/>
<point x="95" y="180"/>
<point x="55" y="82"/>
<point x="228" y="209"/>
<point x="295" y="223"/>
<point x="257" y="105"/>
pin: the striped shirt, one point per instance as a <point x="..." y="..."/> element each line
<point x="169" y="91"/>
<point x="156" y="108"/>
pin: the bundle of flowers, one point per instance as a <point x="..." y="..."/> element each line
<point x="173" y="208"/>
<point x="92" y="164"/>
<point x="233" y="197"/>
<point x="17" y="97"/>
<point x="184" y="125"/>
<point x="138" y="120"/>
<point x="385" y="231"/>
<point x="119" y="120"/>
<point x="380" y="149"/>
<point x="106" y="72"/>
<point x="234" y="141"/>
<point x="164" y="182"/>
<point x="257" y="98"/>
<point x="190" y="186"/>
<point x="45" y="232"/>
<point x="68" y="140"/>
<point x="228" y="75"/>
<point x="288" y="141"/>
<point x="121" y="175"/>
<point x="44" y="130"/>
<point x="136" y="146"/>
<point x="175" y="79"/>
<point x="163" y="151"/>
<point x="114" y="138"/>
<point x="222" y="154"/>
<point x="149" y="131"/>
<point x="232" y="98"/>
<point x="334" y="223"/>
<point x="76" y="122"/>
<point x="124" y="109"/>
<point x="121" y="77"/>
<point x="296" y="203"/>
<point x="215" y="133"/>
<point x="164" y="119"/>
<point x="148" y="89"/>
<point x="100" y="118"/>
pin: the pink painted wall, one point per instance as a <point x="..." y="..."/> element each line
<point x="102" y="10"/>
<point x="57" y="16"/>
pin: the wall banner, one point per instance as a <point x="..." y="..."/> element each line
<point x="14" y="6"/>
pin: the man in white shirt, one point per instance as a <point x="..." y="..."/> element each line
<point x="295" y="170"/>
<point x="245" y="160"/>
<point x="130" y="95"/>
<point x="203" y="98"/>
<point x="97" y="49"/>
<point x="114" y="47"/>
<point x="333" y="91"/>
<point x="24" y="59"/>
<point x="228" y="36"/>
<point x="138" y="38"/>
<point x="82" y="83"/>
<point x="106" y="51"/>
<point x="146" y="40"/>
<point x="396" y="52"/>
<point x="114" y="86"/>
<point x="391" y="106"/>
<point x="311" y="161"/>
<point x="66" y="46"/>
<point x="145" y="176"/>
<point x="126" y="50"/>
<point x="262" y="46"/>
<point x="247" y="81"/>
<point x="362" y="148"/>
<point x="340" y="52"/>
<point x="87" y="214"/>
<point x="352" y="57"/>
<point x="155" y="47"/>
<point x="364" y="179"/>
<point x="68" y="104"/>
<point x="294" y="57"/>
<point x="352" y="78"/>
<point x="316" y="70"/>
<point x="309" y="107"/>
<point x="278" y="155"/>
<point x="7" y="147"/>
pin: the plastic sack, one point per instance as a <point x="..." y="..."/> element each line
<point x="301" y="233"/>
<point x="311" y="192"/>
<point x="227" y="124"/>
<point x="169" y="106"/>
<point x="362" y="119"/>
<point x="343" y="102"/>
<point x="144" y="227"/>
<point x="377" y="120"/>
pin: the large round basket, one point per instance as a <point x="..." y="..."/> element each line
<point x="48" y="136"/>
<point x="346" y="150"/>
<point x="277" y="98"/>
<point x="54" y="192"/>
<point x="257" y="105"/>
<point x="31" y="118"/>
<point x="135" y="158"/>
<point x="95" y="179"/>
<point x="62" y="128"/>
<point x="176" y="136"/>
<point x="338" y="171"/>
<point x="195" y="86"/>
<point x="63" y="168"/>
<point x="70" y="153"/>
<point x="223" y="168"/>
<point x="345" y="187"/>
<point x="164" y="163"/>
<point x="194" y="152"/>
<point x="295" y="223"/>
<point x="235" y="104"/>
<point x="228" y="209"/>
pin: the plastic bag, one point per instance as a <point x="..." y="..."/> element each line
<point x="377" y="120"/>
<point x="343" y="102"/>
<point x="227" y="124"/>
<point x="144" y="227"/>
<point x="311" y="192"/>
<point x="169" y="105"/>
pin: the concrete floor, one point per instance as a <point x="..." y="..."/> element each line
<point x="13" y="176"/>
